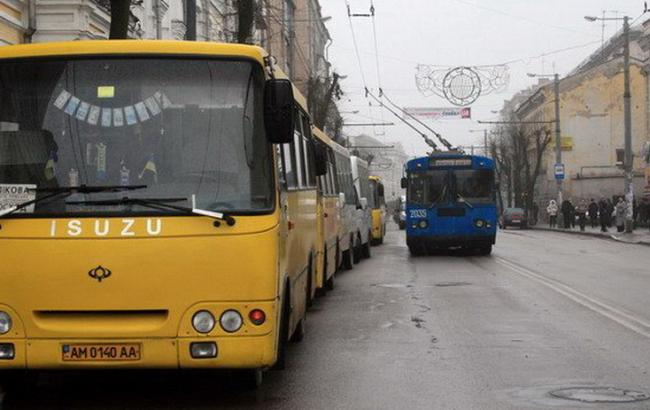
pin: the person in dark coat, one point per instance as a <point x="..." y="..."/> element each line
<point x="568" y="213"/>
<point x="604" y="214"/>
<point x="593" y="213"/>
<point x="610" y="210"/>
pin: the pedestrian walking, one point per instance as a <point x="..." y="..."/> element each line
<point x="620" y="211"/>
<point x="567" y="213"/>
<point x="593" y="213"/>
<point x="581" y="211"/>
<point x="551" y="210"/>
<point x="603" y="214"/>
<point x="610" y="210"/>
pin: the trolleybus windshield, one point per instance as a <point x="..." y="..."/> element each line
<point x="474" y="185"/>
<point x="428" y="188"/>
<point x="186" y="128"/>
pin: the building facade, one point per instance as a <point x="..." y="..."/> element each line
<point x="592" y="122"/>
<point x="16" y="21"/>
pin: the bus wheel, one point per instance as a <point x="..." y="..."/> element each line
<point x="365" y="248"/>
<point x="299" y="333"/>
<point x="357" y="251"/>
<point x="416" y="250"/>
<point x="348" y="257"/>
<point x="322" y="287"/>
<point x="251" y="379"/>
<point x="280" y="363"/>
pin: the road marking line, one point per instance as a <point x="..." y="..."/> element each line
<point x="627" y="320"/>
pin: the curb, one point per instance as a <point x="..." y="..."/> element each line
<point x="609" y="236"/>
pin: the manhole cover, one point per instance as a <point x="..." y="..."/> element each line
<point x="446" y="284"/>
<point x="600" y="395"/>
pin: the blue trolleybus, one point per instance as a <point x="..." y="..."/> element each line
<point x="450" y="202"/>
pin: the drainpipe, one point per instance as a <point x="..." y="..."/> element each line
<point x="31" y="20"/>
<point x="158" y="20"/>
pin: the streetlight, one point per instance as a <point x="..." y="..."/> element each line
<point x="627" y="116"/>
<point x="558" y="131"/>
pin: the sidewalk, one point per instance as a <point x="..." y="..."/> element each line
<point x="641" y="236"/>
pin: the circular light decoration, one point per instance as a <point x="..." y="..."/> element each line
<point x="461" y="86"/>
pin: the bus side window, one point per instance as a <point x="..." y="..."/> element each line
<point x="308" y="147"/>
<point x="298" y="152"/>
<point x="289" y="166"/>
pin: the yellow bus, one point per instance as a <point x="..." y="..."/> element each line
<point x="328" y="249"/>
<point x="147" y="219"/>
<point x="377" y="202"/>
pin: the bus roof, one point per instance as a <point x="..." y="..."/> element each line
<point x="318" y="133"/>
<point x="117" y="47"/>
<point x="144" y="47"/>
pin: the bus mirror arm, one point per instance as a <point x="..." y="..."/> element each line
<point x="403" y="183"/>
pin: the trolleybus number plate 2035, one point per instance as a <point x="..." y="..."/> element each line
<point x="101" y="352"/>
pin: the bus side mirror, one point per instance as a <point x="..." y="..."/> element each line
<point x="341" y="199"/>
<point x="404" y="183"/>
<point x="278" y="111"/>
<point x="320" y="157"/>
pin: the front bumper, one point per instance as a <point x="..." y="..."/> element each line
<point x="450" y="241"/>
<point x="156" y="353"/>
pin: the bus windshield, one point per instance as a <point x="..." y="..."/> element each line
<point x="474" y="185"/>
<point x="188" y="129"/>
<point x="428" y="188"/>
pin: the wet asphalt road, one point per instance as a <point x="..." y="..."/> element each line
<point x="545" y="311"/>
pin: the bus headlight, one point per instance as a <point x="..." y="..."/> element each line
<point x="5" y="323"/>
<point x="231" y="321"/>
<point x="423" y="224"/>
<point x="479" y="223"/>
<point x="203" y="321"/>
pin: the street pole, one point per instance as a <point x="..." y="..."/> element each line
<point x="627" y="96"/>
<point x="558" y="134"/>
<point x="485" y="144"/>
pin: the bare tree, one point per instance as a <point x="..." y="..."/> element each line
<point x="120" y="15"/>
<point x="322" y="94"/>
<point x="245" y="20"/>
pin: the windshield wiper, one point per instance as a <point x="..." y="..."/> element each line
<point x="67" y="191"/>
<point x="162" y="204"/>
<point x="465" y="201"/>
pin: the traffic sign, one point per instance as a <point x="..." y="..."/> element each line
<point x="559" y="171"/>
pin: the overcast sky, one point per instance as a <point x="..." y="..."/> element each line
<point x="453" y="33"/>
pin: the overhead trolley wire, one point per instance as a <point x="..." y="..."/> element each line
<point x="413" y="127"/>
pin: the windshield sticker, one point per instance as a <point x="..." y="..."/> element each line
<point x="72" y="106"/>
<point x="152" y="105"/>
<point x="141" y="109"/>
<point x="16" y="194"/>
<point x="118" y="117"/>
<point x="93" y="115"/>
<point x="129" y="112"/>
<point x="106" y="117"/>
<point x="82" y="112"/>
<point x="101" y="161"/>
<point x="105" y="91"/>
<point x="112" y="116"/>
<point x="62" y="99"/>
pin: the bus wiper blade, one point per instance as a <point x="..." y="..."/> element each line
<point x="67" y="191"/>
<point x="463" y="200"/>
<point x="162" y="204"/>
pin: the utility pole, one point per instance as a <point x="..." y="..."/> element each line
<point x="558" y="133"/>
<point x="628" y="161"/>
<point x="627" y="96"/>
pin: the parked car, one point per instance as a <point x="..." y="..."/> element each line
<point x="513" y="217"/>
